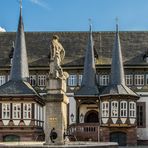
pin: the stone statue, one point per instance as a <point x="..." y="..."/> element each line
<point x="56" y="56"/>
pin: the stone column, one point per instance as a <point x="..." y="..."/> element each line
<point x="56" y="111"/>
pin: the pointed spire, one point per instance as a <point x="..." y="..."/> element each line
<point x="88" y="86"/>
<point x="20" y="7"/>
<point x="89" y="65"/>
<point x="117" y="70"/>
<point x="19" y="69"/>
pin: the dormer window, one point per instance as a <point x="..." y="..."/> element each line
<point x="104" y="80"/>
<point x="33" y="80"/>
<point x="80" y="79"/>
<point x="11" y="53"/>
<point x="145" y="57"/>
<point x="129" y="79"/>
<point x="2" y="79"/>
<point x="139" y="79"/>
<point x="72" y="80"/>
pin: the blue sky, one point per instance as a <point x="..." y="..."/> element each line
<point x="73" y="15"/>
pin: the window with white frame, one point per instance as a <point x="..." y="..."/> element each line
<point x="123" y="109"/>
<point x="16" y="111"/>
<point x="72" y="80"/>
<point x="132" y="109"/>
<point x="8" y="77"/>
<point x="114" y="109"/>
<point x="33" y="80"/>
<point x="146" y="79"/>
<point x="80" y="79"/>
<point x="6" y="110"/>
<point x="105" y="109"/>
<point x="41" y="80"/>
<point x="139" y="79"/>
<point x="141" y="114"/>
<point x="2" y="79"/>
<point x="27" y="111"/>
<point x="104" y="80"/>
<point x="129" y="79"/>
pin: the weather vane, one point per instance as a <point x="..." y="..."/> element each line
<point x="20" y="2"/>
<point x="117" y="20"/>
<point x="90" y="21"/>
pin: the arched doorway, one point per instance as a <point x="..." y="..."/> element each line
<point x="119" y="137"/>
<point x="91" y="117"/>
<point x="11" y="138"/>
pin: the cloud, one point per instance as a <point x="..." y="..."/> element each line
<point x="2" y="29"/>
<point x="40" y="3"/>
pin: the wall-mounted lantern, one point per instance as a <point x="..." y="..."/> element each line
<point x="81" y="117"/>
<point x="72" y="117"/>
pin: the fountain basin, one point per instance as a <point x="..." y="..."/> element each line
<point x="67" y="145"/>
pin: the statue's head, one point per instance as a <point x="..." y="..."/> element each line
<point x="55" y="37"/>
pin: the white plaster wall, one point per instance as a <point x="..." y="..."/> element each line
<point x="72" y="107"/>
<point x="44" y="118"/>
<point x="142" y="133"/>
<point x="84" y="109"/>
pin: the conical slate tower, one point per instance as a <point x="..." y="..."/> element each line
<point x="89" y="85"/>
<point x="117" y="82"/>
<point x="117" y="71"/>
<point x="19" y="70"/>
<point x="118" y="100"/>
<point x="19" y="73"/>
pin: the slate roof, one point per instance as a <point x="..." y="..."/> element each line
<point x="17" y="88"/>
<point x="117" y="83"/>
<point x="19" y="69"/>
<point x="117" y="90"/>
<point x="19" y="73"/>
<point x="134" y="45"/>
<point x="117" y="69"/>
<point x="89" y="83"/>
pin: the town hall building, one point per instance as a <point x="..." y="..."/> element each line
<point x="107" y="85"/>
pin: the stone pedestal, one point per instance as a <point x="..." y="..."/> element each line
<point x="56" y="111"/>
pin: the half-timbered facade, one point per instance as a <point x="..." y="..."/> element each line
<point x="97" y="111"/>
<point x="118" y="104"/>
<point x="21" y="107"/>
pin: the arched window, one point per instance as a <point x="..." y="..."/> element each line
<point x="33" y="80"/>
<point x="105" y="109"/>
<point x="114" y="109"/>
<point x="123" y="109"/>
<point x="132" y="109"/>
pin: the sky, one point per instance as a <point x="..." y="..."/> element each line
<point x="73" y="15"/>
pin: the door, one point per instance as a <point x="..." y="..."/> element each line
<point x="118" y="137"/>
<point x="91" y="117"/>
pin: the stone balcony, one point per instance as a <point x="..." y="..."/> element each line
<point x="84" y="131"/>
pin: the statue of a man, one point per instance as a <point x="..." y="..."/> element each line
<point x="57" y="54"/>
